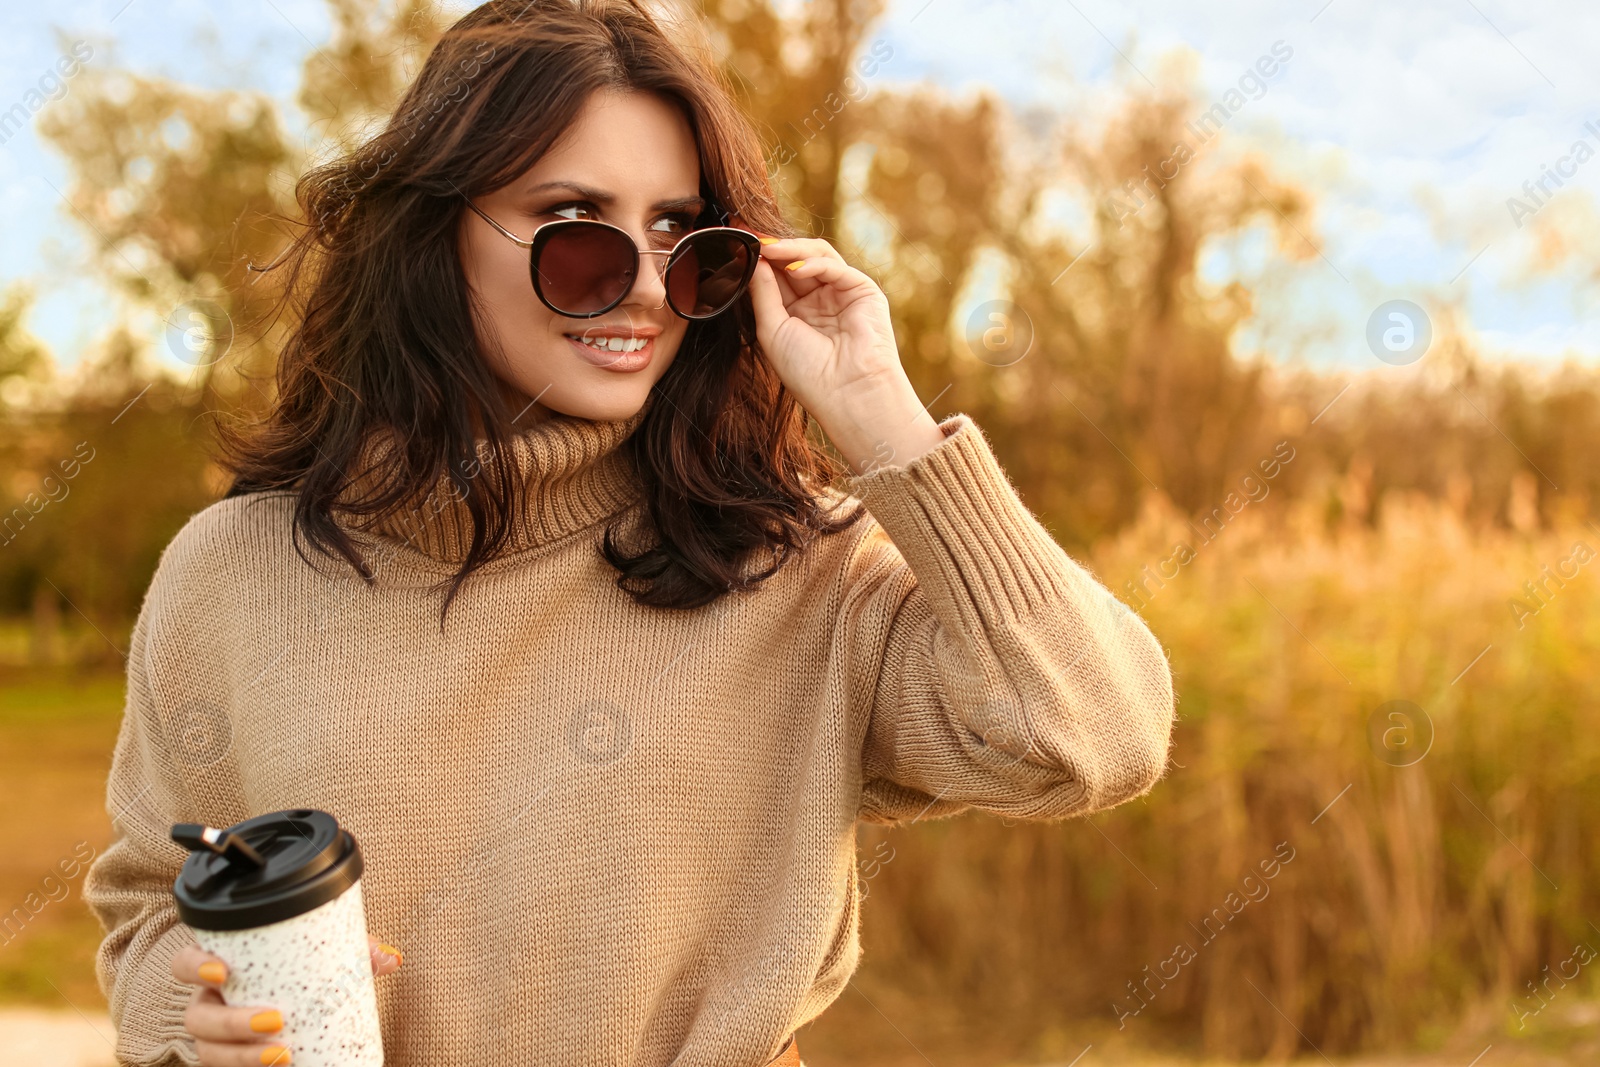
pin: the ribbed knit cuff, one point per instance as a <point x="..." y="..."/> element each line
<point x="151" y="1030"/>
<point x="164" y="1040"/>
<point x="959" y="524"/>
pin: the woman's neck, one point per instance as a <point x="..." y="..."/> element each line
<point x="571" y="472"/>
<point x="523" y="411"/>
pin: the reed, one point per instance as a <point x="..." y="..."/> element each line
<point x="1405" y="902"/>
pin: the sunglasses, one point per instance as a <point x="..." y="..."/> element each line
<point x="582" y="268"/>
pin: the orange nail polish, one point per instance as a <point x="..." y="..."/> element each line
<point x="214" y="972"/>
<point x="275" y="1056"/>
<point x="769" y="240"/>
<point x="391" y="950"/>
<point x="797" y="264"/>
<point x="267" y="1022"/>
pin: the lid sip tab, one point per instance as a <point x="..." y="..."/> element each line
<point x="263" y="870"/>
<point x="230" y="846"/>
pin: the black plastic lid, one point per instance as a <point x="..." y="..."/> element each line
<point x="263" y="870"/>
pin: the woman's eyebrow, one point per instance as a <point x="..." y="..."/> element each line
<point x="683" y="203"/>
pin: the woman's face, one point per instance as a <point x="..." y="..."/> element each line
<point x="629" y="159"/>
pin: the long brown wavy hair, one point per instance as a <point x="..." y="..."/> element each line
<point x="382" y="334"/>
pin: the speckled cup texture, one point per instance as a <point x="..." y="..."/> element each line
<point x="316" y="969"/>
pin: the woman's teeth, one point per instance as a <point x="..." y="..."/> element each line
<point x="613" y="344"/>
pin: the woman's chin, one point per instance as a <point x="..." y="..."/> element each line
<point x="606" y="402"/>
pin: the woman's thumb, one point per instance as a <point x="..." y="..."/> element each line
<point x="766" y="301"/>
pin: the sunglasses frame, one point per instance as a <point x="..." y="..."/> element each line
<point x="547" y="230"/>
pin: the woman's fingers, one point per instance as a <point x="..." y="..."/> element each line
<point x="805" y="275"/>
<point x="229" y="1035"/>
<point x="195" y="966"/>
<point x="386" y="959"/>
<point x="784" y="249"/>
<point x="226" y="1035"/>
<point x="804" y="264"/>
<point x="209" y="1019"/>
<point x="214" y="1055"/>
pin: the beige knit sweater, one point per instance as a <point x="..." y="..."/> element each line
<point x="606" y="835"/>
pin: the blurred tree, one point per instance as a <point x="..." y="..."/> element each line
<point x="24" y="361"/>
<point x="1106" y="378"/>
<point x="350" y="85"/>
<point x="1115" y="376"/>
<point x="173" y="186"/>
<point x="26" y="372"/>
<point x="98" y="485"/>
<point x="1128" y="388"/>
<point x="170" y="184"/>
<point x="803" y="77"/>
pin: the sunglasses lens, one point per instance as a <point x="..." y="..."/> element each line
<point x="709" y="272"/>
<point x="582" y="269"/>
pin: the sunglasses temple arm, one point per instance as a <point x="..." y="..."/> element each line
<point x="496" y="225"/>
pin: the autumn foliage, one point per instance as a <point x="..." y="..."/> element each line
<point x="1309" y="547"/>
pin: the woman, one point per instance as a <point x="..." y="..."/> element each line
<point x="607" y="788"/>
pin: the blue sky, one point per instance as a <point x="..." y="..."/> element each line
<point x="1413" y="124"/>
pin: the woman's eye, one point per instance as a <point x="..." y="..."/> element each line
<point x="672" y="224"/>
<point x="668" y="230"/>
<point x="576" y="211"/>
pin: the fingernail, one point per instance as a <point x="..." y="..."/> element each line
<point x="797" y="264"/>
<point x="214" y="972"/>
<point x="266" y="1022"/>
<point x="769" y="240"/>
<point x="391" y="950"/>
<point x="275" y="1055"/>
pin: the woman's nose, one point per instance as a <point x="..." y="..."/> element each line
<point x="650" y="287"/>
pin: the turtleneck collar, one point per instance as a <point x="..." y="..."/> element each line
<point x="574" y="475"/>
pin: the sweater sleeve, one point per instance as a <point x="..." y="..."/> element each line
<point x="129" y="885"/>
<point x="1007" y="678"/>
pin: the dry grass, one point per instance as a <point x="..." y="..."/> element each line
<point x="1418" y="903"/>
<point x="1415" y="908"/>
<point x="56" y="736"/>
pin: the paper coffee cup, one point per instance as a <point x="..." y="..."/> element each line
<point x="278" y="899"/>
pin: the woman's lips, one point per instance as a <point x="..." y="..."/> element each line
<point x="619" y="362"/>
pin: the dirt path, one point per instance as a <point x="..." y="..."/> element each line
<point x="35" y="1037"/>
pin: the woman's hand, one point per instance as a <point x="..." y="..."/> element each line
<point x="825" y="327"/>
<point x="243" y="1036"/>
